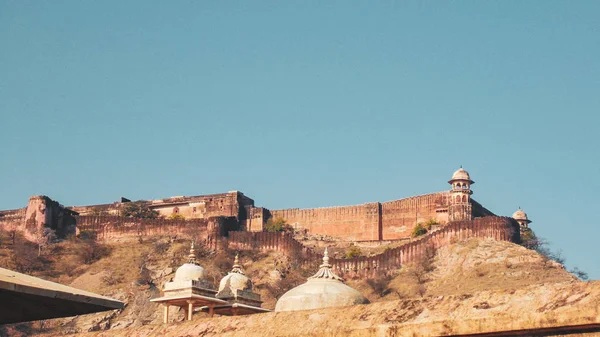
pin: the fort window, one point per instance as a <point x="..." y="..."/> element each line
<point x="176" y="210"/>
<point x="194" y="210"/>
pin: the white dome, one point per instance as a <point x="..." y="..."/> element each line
<point x="323" y="290"/>
<point x="191" y="270"/>
<point x="461" y="175"/>
<point x="188" y="272"/>
<point x="235" y="280"/>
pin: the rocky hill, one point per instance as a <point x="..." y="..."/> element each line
<point x="134" y="272"/>
<point x="547" y="309"/>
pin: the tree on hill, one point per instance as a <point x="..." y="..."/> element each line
<point x="277" y="225"/>
<point x="138" y="209"/>
<point x="176" y="216"/>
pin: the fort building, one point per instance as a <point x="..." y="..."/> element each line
<point x="371" y="221"/>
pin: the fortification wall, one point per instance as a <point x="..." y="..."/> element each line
<point x="390" y="220"/>
<point x="13" y="221"/>
<point x="41" y="212"/>
<point x="361" y="222"/>
<point x="230" y="204"/>
<point x="206" y="231"/>
<point x="399" y="217"/>
<point x="498" y="228"/>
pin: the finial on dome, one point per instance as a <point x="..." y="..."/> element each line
<point x="325" y="259"/>
<point x="325" y="271"/>
<point x="237" y="267"/>
<point x="192" y="254"/>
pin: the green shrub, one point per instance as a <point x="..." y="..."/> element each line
<point x="353" y="252"/>
<point x="277" y="225"/>
<point x="431" y="223"/>
<point x="138" y="209"/>
<point x="418" y="230"/>
<point x="176" y="216"/>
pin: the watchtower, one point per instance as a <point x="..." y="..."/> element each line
<point x="460" y="196"/>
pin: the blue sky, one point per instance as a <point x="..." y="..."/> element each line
<point x="307" y="104"/>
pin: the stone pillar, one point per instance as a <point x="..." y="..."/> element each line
<point x="211" y="310"/>
<point x="166" y="313"/>
<point x="190" y="310"/>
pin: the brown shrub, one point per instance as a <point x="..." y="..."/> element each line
<point x="280" y="287"/>
<point x="111" y="278"/>
<point x="380" y="284"/>
<point x="89" y="252"/>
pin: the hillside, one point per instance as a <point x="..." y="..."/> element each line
<point x="548" y="309"/>
<point x="135" y="271"/>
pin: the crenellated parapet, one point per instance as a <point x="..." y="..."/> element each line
<point x="493" y="227"/>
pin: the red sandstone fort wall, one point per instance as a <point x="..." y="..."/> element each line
<point x="391" y="220"/>
<point x="205" y="231"/>
<point x="399" y="217"/>
<point x="351" y="222"/>
<point x="498" y="228"/>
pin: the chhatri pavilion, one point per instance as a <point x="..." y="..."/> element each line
<point x="190" y="289"/>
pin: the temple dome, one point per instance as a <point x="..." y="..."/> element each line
<point x="323" y="290"/>
<point x="235" y="280"/>
<point x="461" y="174"/>
<point x="190" y="270"/>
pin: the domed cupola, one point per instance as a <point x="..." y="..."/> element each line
<point x="323" y="290"/>
<point x="235" y="283"/>
<point x="190" y="271"/>
<point x="521" y="218"/>
<point x="461" y="175"/>
<point x="235" y="280"/>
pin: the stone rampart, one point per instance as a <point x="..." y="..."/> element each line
<point x="206" y="231"/>
<point x="498" y="228"/>
<point x="399" y="217"/>
<point x="355" y="223"/>
<point x="40" y="214"/>
<point x="390" y="220"/>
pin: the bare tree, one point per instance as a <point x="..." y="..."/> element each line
<point x="44" y="237"/>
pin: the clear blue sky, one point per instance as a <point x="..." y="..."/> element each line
<point x="307" y="104"/>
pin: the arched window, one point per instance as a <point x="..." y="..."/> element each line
<point x="464" y="198"/>
<point x="176" y="210"/>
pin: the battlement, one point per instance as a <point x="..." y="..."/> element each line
<point x="494" y="227"/>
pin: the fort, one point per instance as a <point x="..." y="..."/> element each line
<point x="372" y="221"/>
<point x="232" y="219"/>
